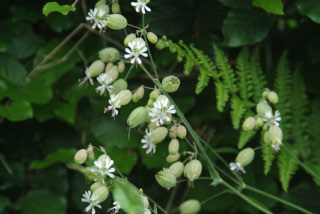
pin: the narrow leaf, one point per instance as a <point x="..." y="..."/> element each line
<point x="55" y="7"/>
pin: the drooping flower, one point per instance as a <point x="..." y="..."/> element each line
<point x="161" y="110"/>
<point x="276" y="145"/>
<point x="115" y="209"/>
<point x="95" y="16"/>
<point x="141" y="6"/>
<point x="236" y="167"/>
<point x="137" y="48"/>
<point x="104" y="80"/>
<point x="271" y="119"/>
<point x="103" y="167"/>
<point x="114" y="104"/>
<point x="93" y="201"/>
<point x="148" y="145"/>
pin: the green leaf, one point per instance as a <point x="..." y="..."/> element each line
<point x="310" y="8"/>
<point x="287" y="167"/>
<point x="272" y="6"/>
<point x="66" y="111"/>
<point x="128" y="196"/>
<point x="43" y="202"/>
<point x="3" y="203"/>
<point x="237" y="111"/>
<point x="244" y="27"/>
<point x="244" y="138"/>
<point x="60" y="156"/>
<point x="17" y="110"/>
<point x="124" y="160"/>
<point x="222" y="95"/>
<point x="11" y="69"/>
<point x="55" y="7"/>
<point x="24" y="45"/>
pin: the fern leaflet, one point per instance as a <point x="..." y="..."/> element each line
<point x="222" y="95"/>
<point x="287" y="167"/>
<point x="237" y="111"/>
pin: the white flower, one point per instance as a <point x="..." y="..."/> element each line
<point x="115" y="209"/>
<point x="276" y="145"/>
<point x="141" y="6"/>
<point x="95" y="16"/>
<point x="104" y="168"/>
<point x="236" y="167"/>
<point x="93" y="201"/>
<point x="161" y="110"/>
<point x="137" y="48"/>
<point x="114" y="104"/>
<point x="272" y="120"/>
<point x="147" y="211"/>
<point x="148" y="145"/>
<point x="104" y="79"/>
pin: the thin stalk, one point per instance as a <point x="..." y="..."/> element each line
<point x="171" y="198"/>
<point x="213" y="196"/>
<point x="155" y="203"/>
<point x="128" y="73"/>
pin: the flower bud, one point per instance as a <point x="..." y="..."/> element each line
<point x="116" y="22"/>
<point x="95" y="186"/>
<point x="245" y="157"/>
<point x="129" y="38"/>
<point x="193" y="170"/>
<point x="166" y="179"/>
<point x="118" y="86"/>
<point x="112" y="73"/>
<point x="150" y="102"/>
<point x="160" y="45"/>
<point x="266" y="138"/>
<point x="173" y="146"/>
<point x="168" y="122"/>
<point x="173" y="158"/>
<point x="259" y="122"/>
<point x="102" y="192"/>
<point x="109" y="54"/>
<point x="95" y="68"/>
<point x="124" y="97"/>
<point x="152" y="125"/>
<point x="249" y="124"/>
<point x="181" y="131"/>
<point x="115" y="8"/>
<point x="101" y="2"/>
<point x="176" y="169"/>
<point x="170" y="84"/>
<point x="262" y="108"/>
<point x="273" y="97"/>
<point x="90" y="152"/>
<point x="81" y="156"/>
<point x="191" y="206"/>
<point x="158" y="135"/>
<point x="153" y="38"/>
<point x="173" y="132"/>
<point x="137" y="117"/>
<point x="275" y="133"/>
<point x="154" y="94"/>
<point x="138" y="95"/>
<point x="121" y="67"/>
<point x="265" y="93"/>
<point x="109" y="66"/>
<point x="104" y="9"/>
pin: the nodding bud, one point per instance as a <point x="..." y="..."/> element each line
<point x="173" y="158"/>
<point x="266" y="138"/>
<point x="275" y="133"/>
<point x="138" y="95"/>
<point x="112" y="73"/>
<point x="249" y="124"/>
<point x="158" y="135"/>
<point x="166" y="179"/>
<point x="259" y="122"/>
<point x="176" y="169"/>
<point x="116" y="22"/>
<point x="90" y="152"/>
<point x="173" y="132"/>
<point x="81" y="156"/>
<point x="265" y="92"/>
<point x="193" y="170"/>
<point x="170" y="84"/>
<point x="102" y="192"/>
<point x="109" y="54"/>
<point x="137" y="117"/>
<point x="262" y="108"/>
<point x="145" y="201"/>
<point x="150" y="102"/>
<point x="101" y="2"/>
<point x="95" y="186"/>
<point x="273" y="97"/>
<point x="173" y="147"/>
<point x="181" y="131"/>
<point x="115" y="8"/>
<point x="152" y="125"/>
<point x="129" y="38"/>
<point x="124" y="97"/>
<point x="118" y="86"/>
<point x="95" y="68"/>
<point x="153" y="38"/>
<point x="245" y="157"/>
<point x="191" y="206"/>
<point x="105" y="8"/>
<point x="154" y="94"/>
<point x="121" y="66"/>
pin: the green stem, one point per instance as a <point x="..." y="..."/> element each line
<point x="171" y="198"/>
<point x="128" y="73"/>
<point x="213" y="196"/>
<point x="155" y="203"/>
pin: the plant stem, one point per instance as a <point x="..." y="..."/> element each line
<point x="171" y="198"/>
<point x="213" y="196"/>
<point x="160" y="208"/>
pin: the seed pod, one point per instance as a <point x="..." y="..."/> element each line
<point x="259" y="122"/>
<point x="173" y="158"/>
<point x="121" y="67"/>
<point x="173" y="132"/>
<point x="109" y="54"/>
<point x="166" y="179"/>
<point x="191" y="206"/>
<point x="245" y="157"/>
<point x="137" y="117"/>
<point x="101" y="2"/>
<point x="150" y="102"/>
<point x="138" y="95"/>
<point x="193" y="170"/>
<point x="170" y="84"/>
<point x="95" y="186"/>
<point x="173" y="146"/>
<point x="81" y="156"/>
<point x="275" y="133"/>
<point x="181" y="131"/>
<point x="273" y="97"/>
<point x="152" y="125"/>
<point x="153" y="38"/>
<point x="115" y="8"/>
<point x="129" y="38"/>
<point x="95" y="69"/>
<point x="118" y="86"/>
<point x="249" y="124"/>
<point x="266" y="138"/>
<point x="102" y="192"/>
<point x="124" y="97"/>
<point x="158" y="135"/>
<point x="116" y="22"/>
<point x="90" y="152"/>
<point x="109" y="66"/>
<point x="154" y="94"/>
<point x="112" y="73"/>
<point x="176" y="169"/>
<point x="262" y="108"/>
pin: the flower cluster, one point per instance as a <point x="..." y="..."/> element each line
<point x="141" y="6"/>
<point x="137" y="48"/>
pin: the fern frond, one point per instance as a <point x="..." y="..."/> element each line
<point x="267" y="154"/>
<point x="203" y="80"/>
<point x="237" y="110"/>
<point x="222" y="95"/>
<point x="287" y="167"/>
<point x="225" y="69"/>
<point x="244" y="138"/>
<point x="188" y="65"/>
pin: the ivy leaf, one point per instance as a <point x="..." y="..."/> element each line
<point x="17" y="110"/>
<point x="244" y="27"/>
<point x="272" y="6"/>
<point x="128" y="196"/>
<point x="55" y="7"/>
<point x="310" y="8"/>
